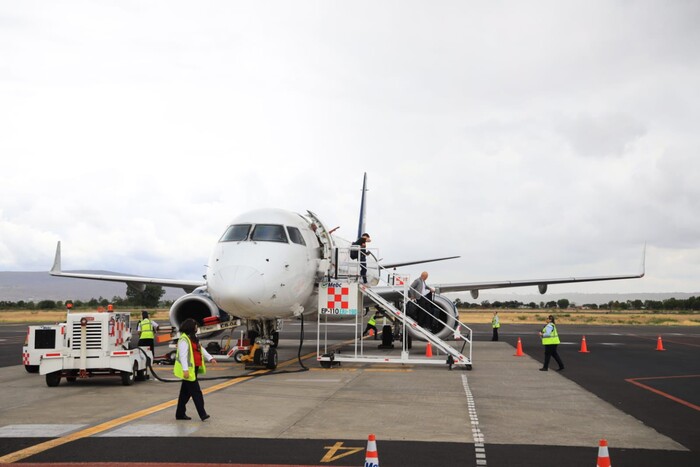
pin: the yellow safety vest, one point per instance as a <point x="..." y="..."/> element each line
<point x="371" y="321"/>
<point x="553" y="338"/>
<point x="146" y="329"/>
<point x="177" y="369"/>
<point x="495" y="322"/>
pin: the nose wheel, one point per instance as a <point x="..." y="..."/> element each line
<point x="264" y="356"/>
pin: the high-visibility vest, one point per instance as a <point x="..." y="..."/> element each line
<point x="177" y="369"/>
<point x="553" y="338"/>
<point x="371" y="321"/>
<point x="146" y="329"/>
<point x="495" y="322"/>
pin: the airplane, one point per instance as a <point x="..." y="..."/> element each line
<point x="267" y="266"/>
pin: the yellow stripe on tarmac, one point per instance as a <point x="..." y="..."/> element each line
<point x="45" y="446"/>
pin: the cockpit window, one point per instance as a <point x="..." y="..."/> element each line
<point x="236" y="233"/>
<point x="295" y="236"/>
<point x="269" y="233"/>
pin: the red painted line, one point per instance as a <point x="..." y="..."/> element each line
<point x="664" y="394"/>
<point x="155" y="464"/>
<point x="664" y="377"/>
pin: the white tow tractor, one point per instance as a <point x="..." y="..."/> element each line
<point x="95" y="344"/>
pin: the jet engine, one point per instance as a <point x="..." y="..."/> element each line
<point x="196" y="305"/>
<point x="447" y="313"/>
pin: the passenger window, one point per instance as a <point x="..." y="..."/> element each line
<point x="295" y="236"/>
<point x="269" y="233"/>
<point x="236" y="233"/>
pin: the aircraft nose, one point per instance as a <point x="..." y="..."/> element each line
<point x="241" y="286"/>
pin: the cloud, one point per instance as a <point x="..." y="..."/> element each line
<point x="531" y="141"/>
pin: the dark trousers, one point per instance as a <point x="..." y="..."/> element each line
<point x="495" y="334"/>
<point x="363" y="270"/>
<point x="190" y="389"/>
<point x="549" y="352"/>
<point x="150" y="343"/>
<point x="425" y="308"/>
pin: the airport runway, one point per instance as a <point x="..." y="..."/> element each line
<point x="644" y="402"/>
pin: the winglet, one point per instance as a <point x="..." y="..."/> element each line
<point x="56" y="268"/>
<point x="644" y="260"/>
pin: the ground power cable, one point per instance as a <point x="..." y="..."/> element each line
<point x="246" y="375"/>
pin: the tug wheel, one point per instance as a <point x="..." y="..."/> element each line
<point x="53" y="379"/>
<point x="128" y="378"/>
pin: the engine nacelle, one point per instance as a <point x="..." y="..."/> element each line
<point x="448" y="314"/>
<point x="196" y="305"/>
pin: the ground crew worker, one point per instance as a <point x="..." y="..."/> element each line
<point x="147" y="332"/>
<point x="495" y="324"/>
<point x="372" y="324"/>
<point x="189" y="362"/>
<point x="550" y="340"/>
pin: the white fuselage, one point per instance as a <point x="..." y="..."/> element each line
<point x="265" y="266"/>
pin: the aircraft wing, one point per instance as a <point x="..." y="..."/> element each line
<point x="408" y="263"/>
<point x="541" y="284"/>
<point x="137" y="282"/>
<point x="391" y="293"/>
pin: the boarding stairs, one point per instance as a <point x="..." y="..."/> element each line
<point x="347" y="272"/>
<point x="402" y="317"/>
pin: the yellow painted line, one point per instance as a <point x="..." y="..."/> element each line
<point x="45" y="446"/>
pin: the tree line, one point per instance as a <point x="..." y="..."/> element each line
<point x="676" y="304"/>
<point x="149" y="297"/>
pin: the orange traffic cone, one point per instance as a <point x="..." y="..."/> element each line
<point x="519" y="349"/>
<point x="584" y="347"/>
<point x="372" y="458"/>
<point x="603" y="457"/>
<point x="659" y="344"/>
<point x="428" y="350"/>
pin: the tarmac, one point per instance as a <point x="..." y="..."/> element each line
<point x="503" y="412"/>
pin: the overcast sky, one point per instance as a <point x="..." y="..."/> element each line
<point x="534" y="139"/>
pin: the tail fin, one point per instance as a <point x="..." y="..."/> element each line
<point x="363" y="208"/>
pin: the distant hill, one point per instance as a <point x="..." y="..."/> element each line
<point x="36" y="286"/>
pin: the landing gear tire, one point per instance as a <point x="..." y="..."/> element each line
<point x="275" y="339"/>
<point x="258" y="357"/>
<point x="272" y="359"/>
<point x="53" y="379"/>
<point x="128" y="378"/>
<point x="32" y="368"/>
